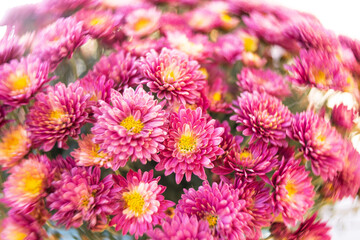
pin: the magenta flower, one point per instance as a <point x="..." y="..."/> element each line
<point x="60" y="7"/>
<point x="59" y="40"/>
<point x="262" y="117"/>
<point x="10" y="48"/>
<point x="133" y="126"/>
<point x="251" y="79"/>
<point x="217" y="93"/>
<point x="21" y="80"/>
<point x="80" y="196"/>
<point x="173" y="76"/>
<point x="309" y="229"/>
<point x="229" y="48"/>
<point x="121" y="67"/>
<point x="192" y="144"/>
<point x="220" y="205"/>
<point x="142" y="204"/>
<point x="354" y="45"/>
<point x="142" y="22"/>
<point x="181" y="226"/>
<point x="56" y="115"/>
<point x="27" y="183"/>
<point x="14" y="145"/>
<point x="343" y="117"/>
<point x="294" y="193"/>
<point x="320" y="143"/>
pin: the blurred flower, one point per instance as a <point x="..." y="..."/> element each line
<point x="56" y="115"/>
<point x="173" y="76"/>
<point x="262" y="116"/>
<point x="10" y="48"/>
<point x="14" y="145"/>
<point x="134" y="125"/>
<point x="142" y="22"/>
<point x="229" y="48"/>
<point x="192" y="144"/>
<point x="217" y="93"/>
<point x="343" y="117"/>
<point x="142" y="203"/>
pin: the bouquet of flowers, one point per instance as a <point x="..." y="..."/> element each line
<point x="167" y="119"/>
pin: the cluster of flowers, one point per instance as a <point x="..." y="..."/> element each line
<point x="101" y="88"/>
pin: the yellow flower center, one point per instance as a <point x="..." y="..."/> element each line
<point x="97" y="21"/>
<point x="250" y="44"/>
<point x="84" y="201"/>
<point x="217" y="96"/>
<point x="18" y="83"/>
<point x="245" y="154"/>
<point x="10" y="144"/>
<point x="290" y="188"/>
<point x="321" y="138"/>
<point x="320" y="77"/>
<point x="141" y="23"/>
<point x="132" y="125"/>
<point x="56" y="114"/>
<point x="225" y="18"/>
<point x="32" y="183"/>
<point x="135" y="202"/>
<point x="204" y="71"/>
<point x="212" y="220"/>
<point x="187" y="143"/>
<point x="17" y="235"/>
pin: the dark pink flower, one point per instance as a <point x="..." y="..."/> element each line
<point x="343" y="117"/>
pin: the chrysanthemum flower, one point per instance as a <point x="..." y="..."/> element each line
<point x="14" y="145"/>
<point x="59" y="40"/>
<point x="27" y="183"/>
<point x="217" y="93"/>
<point x="80" y="196"/>
<point x="319" y="69"/>
<point x="142" y="205"/>
<point x="343" y="117"/>
<point x="181" y="226"/>
<point x="21" y="227"/>
<point x="56" y="115"/>
<point x="10" y="48"/>
<point x="251" y="79"/>
<point x="346" y="182"/>
<point x="89" y="153"/>
<point x="202" y="19"/>
<point x="258" y="205"/>
<point x="133" y="126"/>
<point x="221" y="206"/>
<point x="320" y="143"/>
<point x="249" y="40"/>
<point x="262" y="116"/>
<point x="175" y="22"/>
<point x="121" y="67"/>
<point x="192" y="144"/>
<point x="294" y="193"/>
<point x="354" y="45"/>
<point x="173" y="76"/>
<point x="229" y="48"/>
<point x="140" y="47"/>
<point x="21" y="80"/>
<point x="142" y="22"/>
<point x="309" y="229"/>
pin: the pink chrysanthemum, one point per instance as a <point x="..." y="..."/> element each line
<point x="174" y="22"/>
<point x="80" y="196"/>
<point x="343" y="117"/>
<point x="121" y="67"/>
<point x="217" y="93"/>
<point x="181" y="226"/>
<point x="20" y="227"/>
<point x="294" y="193"/>
<point x="140" y="47"/>
<point x="354" y="45"/>
<point x="192" y="144"/>
<point x="346" y="183"/>
<point x="56" y="115"/>
<point x="258" y="205"/>
<point x="10" y="48"/>
<point x="320" y="143"/>
<point x="309" y="229"/>
<point x="142" y="203"/>
<point x="14" y="145"/>
<point x="27" y="183"/>
<point x="142" y="22"/>
<point x="59" y="40"/>
<point x="202" y="19"/>
<point x="229" y="48"/>
<point x="133" y="126"/>
<point x="251" y="79"/>
<point x="21" y="80"/>
<point x="89" y="153"/>
<point x="319" y="69"/>
<point x="221" y="206"/>
<point x="262" y="116"/>
<point x="173" y="76"/>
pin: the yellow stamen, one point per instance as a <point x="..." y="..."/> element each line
<point x="132" y="125"/>
<point x="56" y="114"/>
<point x="187" y="143"/>
<point x="320" y="77"/>
<point x="135" y="202"/>
<point x="10" y="143"/>
<point x="225" y="18"/>
<point x="212" y="220"/>
<point x="321" y="138"/>
<point x="204" y="71"/>
<point x="290" y="188"/>
<point x="17" y="235"/>
<point x="32" y="183"/>
<point x="141" y="23"/>
<point x="217" y="96"/>
<point x="97" y="21"/>
<point x="245" y="155"/>
<point x="18" y="83"/>
<point x="250" y="43"/>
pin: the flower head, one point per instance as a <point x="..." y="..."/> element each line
<point x="10" y="48"/>
<point x="220" y="205"/>
<point x="133" y="126"/>
<point x="142" y="22"/>
<point x="192" y="144"/>
<point x="27" y="183"/>
<point x="229" y="48"/>
<point x="294" y="193"/>
<point x="142" y="203"/>
<point x="217" y="93"/>
<point x="56" y="115"/>
<point x="262" y="117"/>
<point x="309" y="229"/>
<point x="14" y="145"/>
<point x="343" y="117"/>
<point x="320" y="143"/>
<point x="173" y="76"/>
<point x="21" y="80"/>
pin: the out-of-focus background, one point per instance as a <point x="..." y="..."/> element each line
<point x="341" y="16"/>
